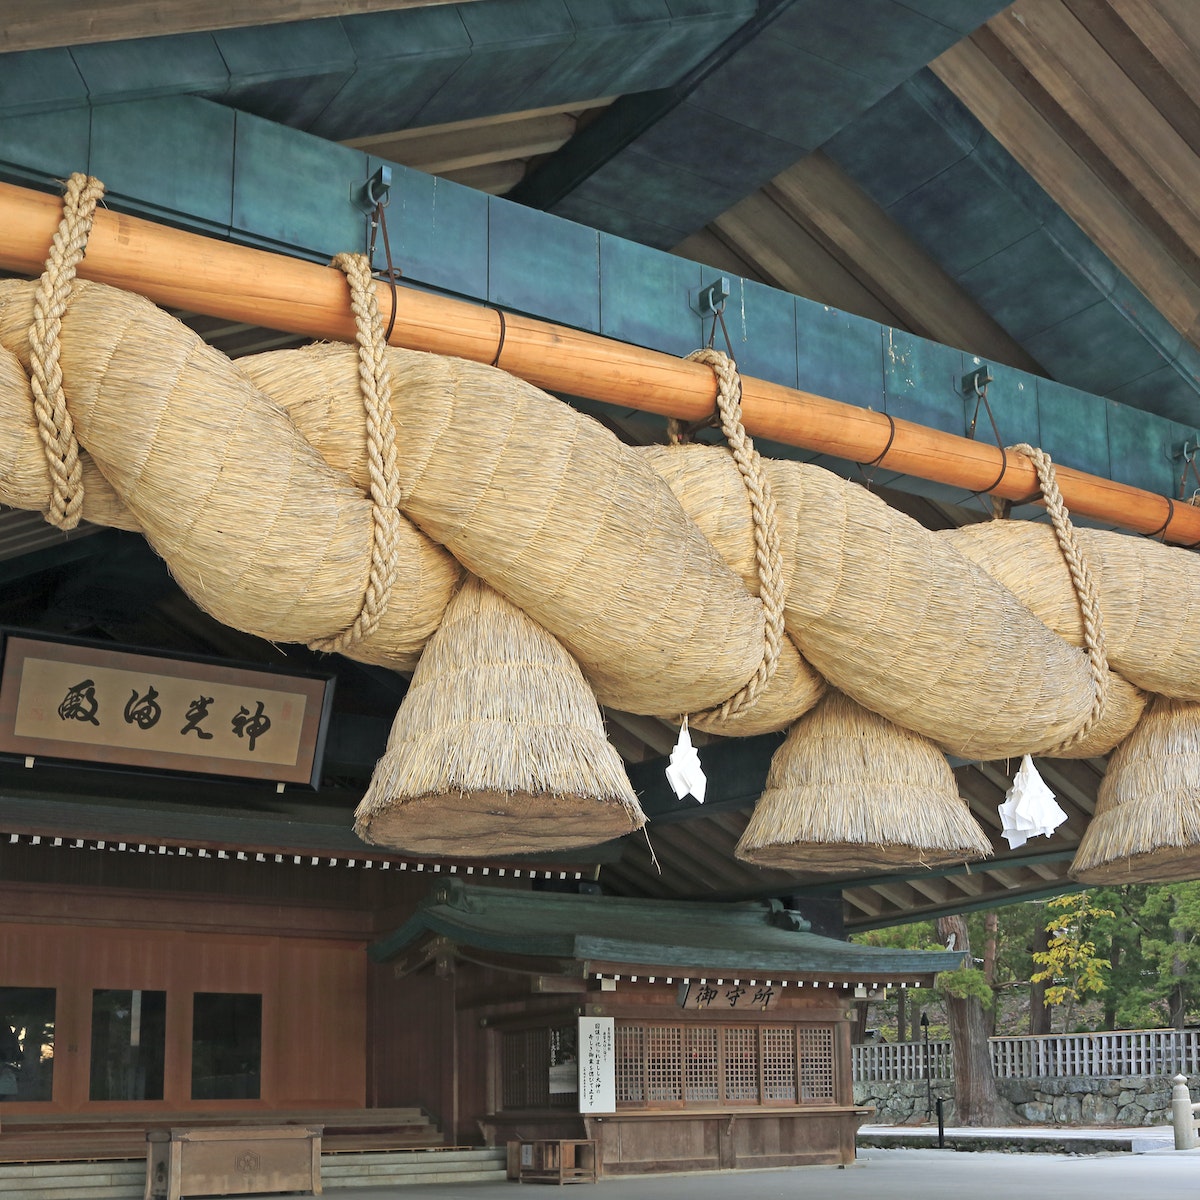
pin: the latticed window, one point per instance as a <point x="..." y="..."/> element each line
<point x="664" y="1062"/>
<point x="741" y="1065"/>
<point x="816" y="1063"/>
<point x="631" y="1060"/>
<point x="779" y="1065"/>
<point x="681" y="1066"/>
<point x="701" y="1081"/>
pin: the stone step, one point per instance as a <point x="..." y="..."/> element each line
<point x="126" y="1180"/>
<point x="399" y="1159"/>
<point x="499" y="1175"/>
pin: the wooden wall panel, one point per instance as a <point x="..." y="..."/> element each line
<point x="314" y="1004"/>
<point x="411" y="1023"/>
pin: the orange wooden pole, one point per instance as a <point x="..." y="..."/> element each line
<point x="203" y="275"/>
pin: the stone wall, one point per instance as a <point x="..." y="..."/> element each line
<point x="1074" y="1100"/>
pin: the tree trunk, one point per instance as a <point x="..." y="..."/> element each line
<point x="901" y="1014"/>
<point x="1039" y="1014"/>
<point x="1110" y="993"/>
<point x="991" y="924"/>
<point x="975" y="1098"/>
<point x="1178" y="997"/>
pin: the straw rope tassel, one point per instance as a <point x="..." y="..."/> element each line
<point x="55" y="427"/>
<point x="850" y="789"/>
<point x="1146" y="828"/>
<point x="498" y="746"/>
<point x="376" y="386"/>
<point x="767" y="555"/>
<point x="1085" y="591"/>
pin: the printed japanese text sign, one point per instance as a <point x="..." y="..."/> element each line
<point x="87" y="702"/>
<point x="727" y="994"/>
<point x="597" y="1065"/>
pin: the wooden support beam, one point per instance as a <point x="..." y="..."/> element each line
<point x="198" y="274"/>
<point x="968" y="71"/>
<point x="818" y="195"/>
<point x="40" y="24"/>
<point x="441" y="149"/>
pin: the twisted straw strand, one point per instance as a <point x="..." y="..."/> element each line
<point x="1085" y="588"/>
<point x="55" y="427"/>
<point x="376" y="387"/>
<point x="766" y="526"/>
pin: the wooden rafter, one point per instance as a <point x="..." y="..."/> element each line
<point x="40" y="24"/>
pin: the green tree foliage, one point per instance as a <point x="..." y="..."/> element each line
<point x="1071" y="965"/>
<point x="1123" y="957"/>
<point x="964" y="983"/>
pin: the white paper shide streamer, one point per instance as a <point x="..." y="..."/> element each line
<point x="1029" y="808"/>
<point x="684" y="772"/>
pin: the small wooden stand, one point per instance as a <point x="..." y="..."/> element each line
<point x="553" y="1160"/>
<point x="232" y="1162"/>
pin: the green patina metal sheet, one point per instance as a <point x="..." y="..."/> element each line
<point x="761" y="323"/>
<point x="288" y="73"/>
<point x="438" y="232"/>
<point x="36" y="80"/>
<point x="1074" y="428"/>
<point x="752" y="937"/>
<point x="1149" y="454"/>
<point x="41" y="146"/>
<point x="644" y="296"/>
<point x="318" y="179"/>
<point x="543" y="265"/>
<point x="840" y="355"/>
<point x="922" y="381"/>
<point x="172" y="156"/>
<point x="162" y="66"/>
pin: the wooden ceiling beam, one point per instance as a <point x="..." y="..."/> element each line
<point x="788" y="257"/>
<point x="1105" y="117"/>
<point x="41" y="24"/>
<point x="969" y="72"/>
<point x="1158" y="46"/>
<point x="494" y="178"/>
<point x="839" y="215"/>
<point x="440" y="149"/>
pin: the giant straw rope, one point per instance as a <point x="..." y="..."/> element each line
<point x="335" y="497"/>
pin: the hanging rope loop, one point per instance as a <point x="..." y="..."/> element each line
<point x="56" y="430"/>
<point x="766" y="525"/>
<point x="1084" y="584"/>
<point x="375" y="384"/>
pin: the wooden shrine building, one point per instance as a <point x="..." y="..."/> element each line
<point x="247" y="499"/>
<point x="731" y="1023"/>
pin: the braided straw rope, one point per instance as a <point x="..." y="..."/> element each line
<point x="1085" y="589"/>
<point x="376" y="386"/>
<point x="772" y="589"/>
<point x="55" y="427"/>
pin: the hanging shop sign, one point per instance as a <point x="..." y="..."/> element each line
<point x="90" y="702"/>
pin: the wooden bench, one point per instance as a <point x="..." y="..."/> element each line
<point x="250" y="1160"/>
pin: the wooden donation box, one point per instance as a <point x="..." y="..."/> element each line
<point x="553" y="1160"/>
<point x="233" y="1162"/>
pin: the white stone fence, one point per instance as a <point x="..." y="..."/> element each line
<point x="1099" y="1055"/>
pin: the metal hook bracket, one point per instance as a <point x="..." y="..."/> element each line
<point x="376" y="192"/>
<point x="709" y="301"/>
<point x="975" y="382"/>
